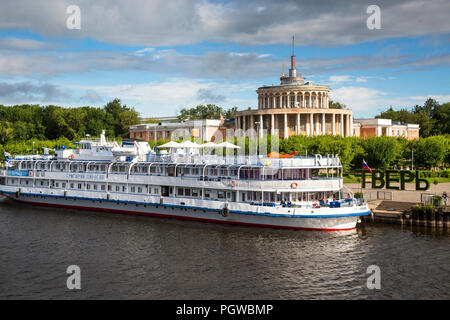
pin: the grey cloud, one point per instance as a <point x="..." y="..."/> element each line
<point x="210" y="65"/>
<point x="92" y="97"/>
<point x="12" y="43"/>
<point x="180" y="22"/>
<point x="27" y="91"/>
<point x="208" y="96"/>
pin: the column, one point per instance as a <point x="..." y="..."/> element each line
<point x="261" y="126"/>
<point x="324" y="131"/>
<point x="351" y="125"/>
<point x="286" y="133"/>
<point x="244" y="123"/>
<point x="295" y="100"/>
<point x="311" y="124"/>
<point x="272" y="124"/>
<point x="303" y="100"/>
<point x="297" y="129"/>
<point x="342" y="124"/>
<point x="274" y="105"/>
<point x="288" y="100"/>
<point x="347" y="125"/>
<point x="251" y="124"/>
<point x="318" y="124"/>
<point x="333" y="125"/>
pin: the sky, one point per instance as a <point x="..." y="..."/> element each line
<point x="161" y="56"/>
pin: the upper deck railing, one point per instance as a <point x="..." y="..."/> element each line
<point x="314" y="161"/>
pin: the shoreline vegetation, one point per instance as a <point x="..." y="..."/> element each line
<point x="28" y="128"/>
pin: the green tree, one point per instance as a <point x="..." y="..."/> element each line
<point x="381" y="152"/>
<point x="429" y="152"/>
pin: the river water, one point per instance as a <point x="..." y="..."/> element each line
<point x="131" y="257"/>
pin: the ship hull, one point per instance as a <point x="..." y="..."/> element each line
<point x="334" y="223"/>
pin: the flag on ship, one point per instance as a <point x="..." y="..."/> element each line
<point x="365" y="166"/>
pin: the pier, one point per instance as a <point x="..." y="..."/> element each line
<point x="405" y="213"/>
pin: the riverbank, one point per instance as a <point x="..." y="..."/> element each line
<point x="406" y="207"/>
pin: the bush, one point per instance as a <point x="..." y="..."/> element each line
<point x="359" y="195"/>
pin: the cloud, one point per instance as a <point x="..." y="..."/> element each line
<point x="92" y="97"/>
<point x="143" y="52"/>
<point x="208" y="65"/>
<point x="361" y="100"/>
<point x="208" y="96"/>
<point x="27" y="92"/>
<point x="11" y="43"/>
<point x="340" y="79"/>
<point x="180" y="22"/>
<point x="167" y="97"/>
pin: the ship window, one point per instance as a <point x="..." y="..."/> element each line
<point x="187" y="192"/>
<point x="79" y="186"/>
<point x="124" y="188"/>
<point x="221" y="195"/>
<point x="71" y="185"/>
<point x="156" y="191"/>
<point x="42" y="183"/>
<point x="195" y="192"/>
<point x="133" y="189"/>
<point x="180" y="191"/>
<point x="56" y="184"/>
<point x="88" y="187"/>
<point x="109" y="187"/>
<point x="102" y="187"/>
<point x="139" y="189"/>
<point x="63" y="184"/>
<point x="95" y="187"/>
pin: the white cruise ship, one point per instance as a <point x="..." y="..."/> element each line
<point x="296" y="193"/>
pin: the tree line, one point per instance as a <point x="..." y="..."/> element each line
<point x="433" y="118"/>
<point x="25" y="122"/>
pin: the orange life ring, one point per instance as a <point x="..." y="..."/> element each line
<point x="294" y="185"/>
<point x="30" y="173"/>
<point x="233" y="183"/>
<point x="72" y="156"/>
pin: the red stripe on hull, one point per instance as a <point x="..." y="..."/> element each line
<point x="159" y="215"/>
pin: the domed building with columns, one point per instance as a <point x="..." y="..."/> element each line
<point x="295" y="107"/>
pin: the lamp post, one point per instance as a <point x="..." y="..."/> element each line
<point x="33" y="146"/>
<point x="412" y="159"/>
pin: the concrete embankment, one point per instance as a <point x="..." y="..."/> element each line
<point x="404" y="213"/>
<point x="406" y="207"/>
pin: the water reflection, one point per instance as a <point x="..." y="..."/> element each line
<point x="139" y="257"/>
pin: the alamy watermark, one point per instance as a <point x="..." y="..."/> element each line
<point x="374" y="280"/>
<point x="74" y="280"/>
<point x="73" y="22"/>
<point x="374" y="20"/>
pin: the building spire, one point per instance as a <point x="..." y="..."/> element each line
<point x="293" y="70"/>
<point x="293" y="46"/>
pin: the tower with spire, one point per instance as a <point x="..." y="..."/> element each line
<point x="293" y="78"/>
